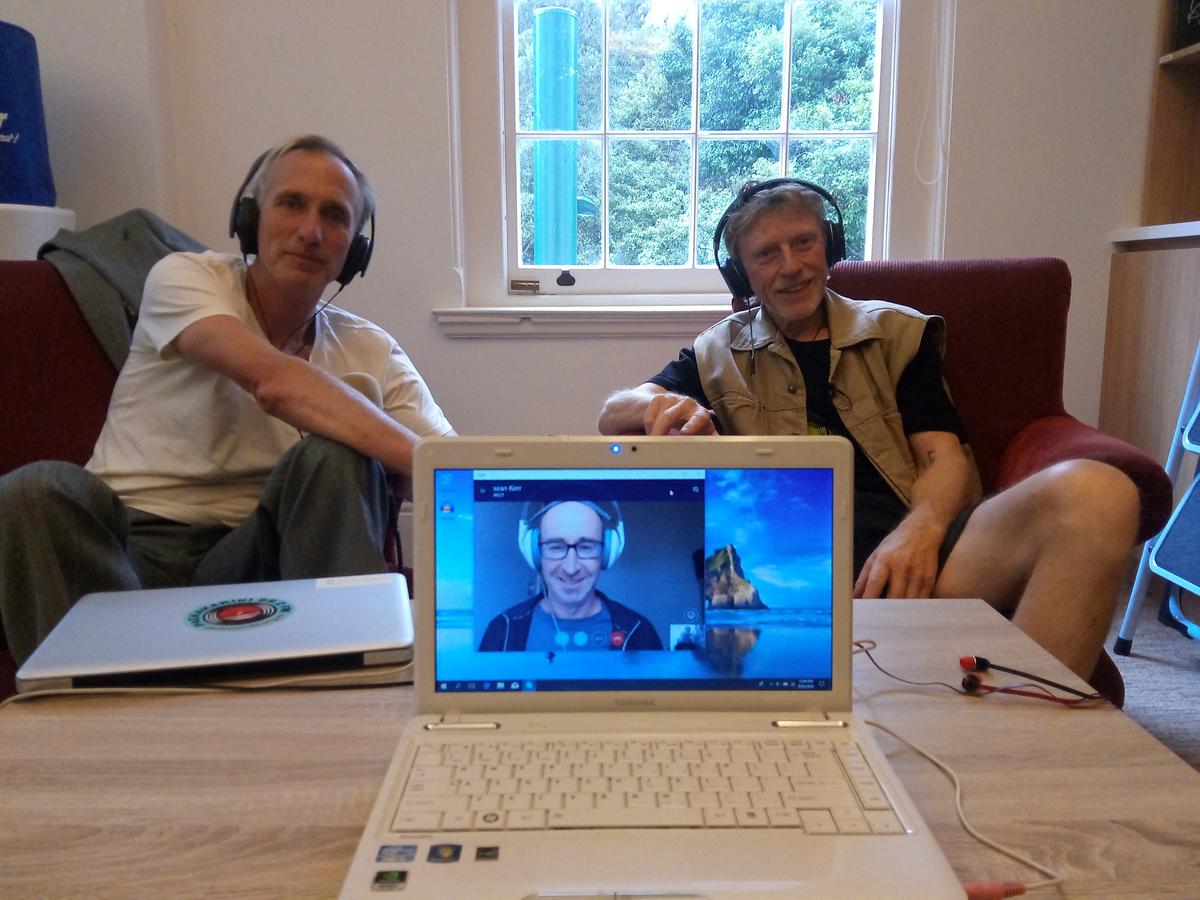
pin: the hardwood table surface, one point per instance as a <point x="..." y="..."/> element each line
<point x="265" y="794"/>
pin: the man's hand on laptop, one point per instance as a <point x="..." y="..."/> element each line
<point x="669" y="413"/>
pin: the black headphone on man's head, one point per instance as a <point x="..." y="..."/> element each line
<point x="243" y="224"/>
<point x="734" y="272"/>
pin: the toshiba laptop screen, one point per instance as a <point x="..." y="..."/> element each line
<point x="618" y="577"/>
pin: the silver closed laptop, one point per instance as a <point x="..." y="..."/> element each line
<point x="223" y="632"/>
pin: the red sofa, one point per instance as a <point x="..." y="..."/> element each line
<point x="55" y="380"/>
<point x="1006" y="330"/>
<point x="1006" y="324"/>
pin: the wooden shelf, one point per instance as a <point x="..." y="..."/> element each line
<point x="1171" y="191"/>
<point x="1153" y="310"/>
<point x="1150" y="338"/>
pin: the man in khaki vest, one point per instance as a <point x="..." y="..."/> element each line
<point x="1049" y="552"/>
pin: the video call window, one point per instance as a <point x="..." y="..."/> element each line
<point x="633" y="579"/>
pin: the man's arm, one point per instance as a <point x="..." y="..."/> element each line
<point x="905" y="564"/>
<point x="297" y="392"/>
<point x="651" y="409"/>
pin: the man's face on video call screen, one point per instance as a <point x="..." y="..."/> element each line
<point x="571" y="579"/>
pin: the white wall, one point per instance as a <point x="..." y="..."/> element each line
<point x="164" y="103"/>
<point x="1047" y="147"/>
<point x="101" y="66"/>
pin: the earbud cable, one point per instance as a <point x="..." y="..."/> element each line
<point x="1052" y="877"/>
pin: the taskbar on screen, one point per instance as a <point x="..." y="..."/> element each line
<point x="656" y="684"/>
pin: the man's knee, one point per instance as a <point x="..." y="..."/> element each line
<point x="39" y="486"/>
<point x="1088" y="496"/>
<point x="327" y="457"/>
<point x="317" y="467"/>
<point x="319" y="487"/>
<point x="23" y="487"/>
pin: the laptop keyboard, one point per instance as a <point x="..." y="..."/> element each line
<point x="817" y="785"/>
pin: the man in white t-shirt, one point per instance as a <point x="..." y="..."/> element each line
<point x="254" y="432"/>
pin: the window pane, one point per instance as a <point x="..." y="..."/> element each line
<point x="636" y="122"/>
<point x="741" y="65"/>
<point x="650" y="65"/>
<point x="843" y="168"/>
<point x="559" y="65"/>
<point x="724" y="166"/>
<point x="560" y="202"/>
<point x="833" y="65"/>
<point x="650" y="202"/>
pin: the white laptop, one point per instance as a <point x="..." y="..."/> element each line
<point x="223" y="632"/>
<point x="693" y="737"/>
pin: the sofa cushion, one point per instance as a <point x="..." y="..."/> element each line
<point x="1006" y="336"/>
<point x="55" y="380"/>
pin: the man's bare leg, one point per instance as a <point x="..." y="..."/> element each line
<point x="1051" y="551"/>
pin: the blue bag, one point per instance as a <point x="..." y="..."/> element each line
<point x="24" y="156"/>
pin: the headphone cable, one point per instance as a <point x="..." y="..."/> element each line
<point x="252" y="299"/>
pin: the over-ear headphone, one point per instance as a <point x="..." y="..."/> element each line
<point x="529" y="532"/>
<point x="243" y="224"/>
<point x="734" y="272"/>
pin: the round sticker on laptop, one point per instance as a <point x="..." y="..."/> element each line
<point x="240" y="613"/>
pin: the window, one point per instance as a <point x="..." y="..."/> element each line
<point x="902" y="213"/>
<point x="630" y="124"/>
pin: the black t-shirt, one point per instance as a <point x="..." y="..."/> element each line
<point x="921" y="399"/>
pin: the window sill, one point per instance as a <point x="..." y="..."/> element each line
<point x="576" y="322"/>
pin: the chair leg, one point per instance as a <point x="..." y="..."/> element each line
<point x="1123" y="645"/>
<point x="1170" y="613"/>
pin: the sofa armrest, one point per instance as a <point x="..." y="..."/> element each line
<point x="1053" y="439"/>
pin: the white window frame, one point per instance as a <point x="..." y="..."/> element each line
<point x="477" y="106"/>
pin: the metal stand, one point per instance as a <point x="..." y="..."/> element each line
<point x="1170" y="612"/>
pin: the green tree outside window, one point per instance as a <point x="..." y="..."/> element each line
<point x="703" y="95"/>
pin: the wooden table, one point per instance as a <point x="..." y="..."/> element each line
<point x="264" y="795"/>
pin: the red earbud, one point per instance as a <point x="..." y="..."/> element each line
<point x="973" y="683"/>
